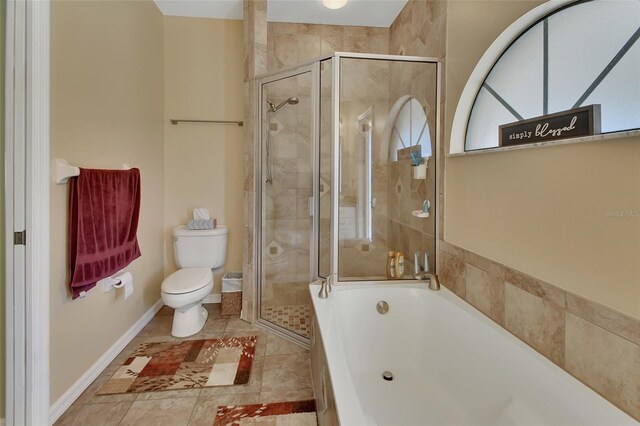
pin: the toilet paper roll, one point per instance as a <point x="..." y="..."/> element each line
<point x="126" y="281"/>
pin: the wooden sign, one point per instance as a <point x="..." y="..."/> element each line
<point x="583" y="121"/>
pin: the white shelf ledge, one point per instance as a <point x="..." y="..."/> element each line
<point x="582" y="139"/>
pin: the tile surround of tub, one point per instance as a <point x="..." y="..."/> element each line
<point x="604" y="361"/>
<point x="596" y="344"/>
<point x="536" y="321"/>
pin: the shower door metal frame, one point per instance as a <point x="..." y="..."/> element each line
<point x="314" y="69"/>
<point x="335" y="149"/>
<point x="313" y="66"/>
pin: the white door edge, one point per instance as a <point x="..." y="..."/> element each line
<point x="27" y="208"/>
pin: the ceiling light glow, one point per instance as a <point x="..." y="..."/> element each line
<point x="334" y="4"/>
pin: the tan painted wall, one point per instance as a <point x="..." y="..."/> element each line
<point x="542" y="210"/>
<point x="204" y="162"/>
<point x="106" y="109"/>
<point x="2" y="271"/>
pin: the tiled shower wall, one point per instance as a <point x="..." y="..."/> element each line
<point x="406" y="194"/>
<point x="364" y="85"/>
<point x="291" y="44"/>
<point x="255" y="63"/>
<point x="419" y="30"/>
<point x="287" y="224"/>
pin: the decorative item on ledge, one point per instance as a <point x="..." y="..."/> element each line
<point x="584" y="121"/>
<point x="419" y="165"/>
<point x="426" y="207"/>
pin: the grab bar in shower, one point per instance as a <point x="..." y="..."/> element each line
<point x="175" y="121"/>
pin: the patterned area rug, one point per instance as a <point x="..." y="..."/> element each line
<point x="295" y="413"/>
<point x="188" y="364"/>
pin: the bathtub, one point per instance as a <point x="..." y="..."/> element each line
<point x="451" y="365"/>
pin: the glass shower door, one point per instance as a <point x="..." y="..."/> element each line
<point x="287" y="235"/>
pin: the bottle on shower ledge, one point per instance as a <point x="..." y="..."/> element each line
<point x="399" y="265"/>
<point x="391" y="265"/>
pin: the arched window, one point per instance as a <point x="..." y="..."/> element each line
<point x="564" y="57"/>
<point x="406" y="126"/>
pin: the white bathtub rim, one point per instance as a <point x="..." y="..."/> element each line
<point x="344" y="393"/>
<point x="346" y="398"/>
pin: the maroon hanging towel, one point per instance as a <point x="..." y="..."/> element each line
<point x="104" y="207"/>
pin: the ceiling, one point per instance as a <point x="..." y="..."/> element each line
<point x="372" y="13"/>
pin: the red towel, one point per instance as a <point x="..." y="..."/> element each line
<point x="104" y="207"/>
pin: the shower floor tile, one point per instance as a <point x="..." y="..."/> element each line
<point x="296" y="318"/>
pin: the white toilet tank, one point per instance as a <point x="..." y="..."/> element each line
<point x="200" y="248"/>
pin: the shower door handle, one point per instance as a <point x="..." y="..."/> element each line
<point x="311" y="206"/>
<point x="269" y="178"/>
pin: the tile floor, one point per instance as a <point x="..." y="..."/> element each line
<point x="280" y="372"/>
<point x="296" y="318"/>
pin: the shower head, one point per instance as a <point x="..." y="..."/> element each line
<point x="291" y="101"/>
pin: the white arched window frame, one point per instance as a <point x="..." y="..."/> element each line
<point x="486" y="64"/>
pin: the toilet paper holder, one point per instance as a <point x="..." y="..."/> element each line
<point x="114" y="281"/>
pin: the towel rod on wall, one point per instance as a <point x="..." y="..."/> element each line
<point x="64" y="170"/>
<point x="175" y="121"/>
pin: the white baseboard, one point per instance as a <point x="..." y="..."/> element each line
<point x="65" y="401"/>
<point x="213" y="298"/>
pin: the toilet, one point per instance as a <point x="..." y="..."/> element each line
<point x="199" y="254"/>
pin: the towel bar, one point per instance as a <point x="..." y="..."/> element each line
<point x="175" y="121"/>
<point x="64" y="170"/>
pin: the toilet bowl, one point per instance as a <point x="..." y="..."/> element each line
<point x="184" y="291"/>
<point x="198" y="254"/>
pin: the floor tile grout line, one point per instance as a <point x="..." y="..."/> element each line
<point x="126" y="412"/>
<point x="194" y="408"/>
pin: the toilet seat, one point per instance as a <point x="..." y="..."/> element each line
<point x="187" y="280"/>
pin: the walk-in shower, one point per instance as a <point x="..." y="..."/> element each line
<point x="336" y="187"/>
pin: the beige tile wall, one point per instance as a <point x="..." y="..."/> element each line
<point x="287" y="224"/>
<point x="255" y="60"/>
<point x="290" y="44"/>
<point x="419" y="30"/>
<point x="364" y="86"/>
<point x="596" y="344"/>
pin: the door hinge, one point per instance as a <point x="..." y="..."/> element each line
<point x="20" y="238"/>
